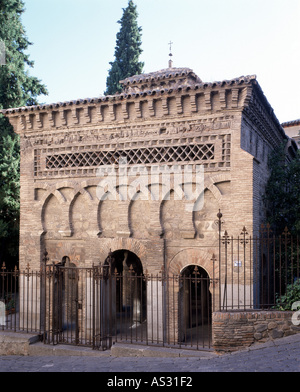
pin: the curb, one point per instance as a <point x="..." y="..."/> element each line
<point x="41" y="349"/>
<point x="12" y="343"/>
<point x="123" y="350"/>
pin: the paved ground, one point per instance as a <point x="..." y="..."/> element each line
<point x="282" y="355"/>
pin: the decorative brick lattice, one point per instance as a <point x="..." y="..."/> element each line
<point x="151" y="155"/>
<point x="226" y="150"/>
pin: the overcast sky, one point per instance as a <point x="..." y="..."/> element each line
<point x="74" y="41"/>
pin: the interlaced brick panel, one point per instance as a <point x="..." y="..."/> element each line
<point x="166" y="154"/>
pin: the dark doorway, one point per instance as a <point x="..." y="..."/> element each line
<point x="65" y="301"/>
<point x="128" y="293"/>
<point x="195" y="305"/>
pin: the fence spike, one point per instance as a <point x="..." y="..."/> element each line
<point x="286" y="231"/>
<point x="244" y="231"/>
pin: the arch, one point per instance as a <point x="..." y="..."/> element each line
<point x="56" y="190"/>
<point x="175" y="217"/>
<point x="79" y="216"/>
<point x="139" y="205"/>
<point x="59" y="250"/>
<point x="43" y="212"/>
<point x="204" y="217"/>
<point x="106" y="224"/>
<point x="130" y="244"/>
<point x="124" y="259"/>
<point x="211" y="184"/>
<point x="55" y="225"/>
<point x="195" y="303"/>
<point x="59" y="196"/>
<point x="158" y="190"/>
<point x="193" y="256"/>
<point x="82" y="191"/>
<point x="138" y="188"/>
<point x="128" y="289"/>
<point x="65" y="261"/>
<point x="176" y="191"/>
<point x="194" y="270"/>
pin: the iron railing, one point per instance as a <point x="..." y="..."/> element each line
<point x="94" y="307"/>
<point x="99" y="306"/>
<point x="20" y="309"/>
<point x="257" y="272"/>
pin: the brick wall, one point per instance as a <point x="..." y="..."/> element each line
<point x="233" y="331"/>
<point x="160" y="120"/>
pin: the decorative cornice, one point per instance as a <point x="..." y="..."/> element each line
<point x="199" y="86"/>
<point x="166" y="94"/>
<point x="262" y="114"/>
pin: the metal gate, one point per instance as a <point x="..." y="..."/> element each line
<point x="76" y="307"/>
<point x="96" y="307"/>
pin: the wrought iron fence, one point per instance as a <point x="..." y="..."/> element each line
<point x="20" y="300"/>
<point x="97" y="307"/>
<point x="257" y="272"/>
<point x="100" y="306"/>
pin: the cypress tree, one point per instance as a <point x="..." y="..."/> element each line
<point x="17" y="88"/>
<point x="127" y="51"/>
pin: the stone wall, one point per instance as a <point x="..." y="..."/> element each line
<point x="233" y="331"/>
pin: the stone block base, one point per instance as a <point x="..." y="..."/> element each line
<point x="238" y="330"/>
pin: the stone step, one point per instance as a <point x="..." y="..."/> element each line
<point x="12" y="343"/>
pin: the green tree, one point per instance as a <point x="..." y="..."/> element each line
<point x="127" y="51"/>
<point x="17" y="88"/>
<point x="283" y="192"/>
<point x="9" y="199"/>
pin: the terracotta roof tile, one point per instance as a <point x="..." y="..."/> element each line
<point x="181" y="79"/>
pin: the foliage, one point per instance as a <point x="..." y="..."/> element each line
<point x="286" y="301"/>
<point x="10" y="303"/>
<point x="283" y="192"/>
<point x="17" y="88"/>
<point x="127" y="51"/>
<point x="9" y="187"/>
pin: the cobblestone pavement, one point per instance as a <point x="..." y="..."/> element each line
<point x="282" y="355"/>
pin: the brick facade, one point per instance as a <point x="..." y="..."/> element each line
<point x="164" y="118"/>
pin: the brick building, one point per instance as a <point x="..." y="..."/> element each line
<point x="162" y="124"/>
<point x="292" y="129"/>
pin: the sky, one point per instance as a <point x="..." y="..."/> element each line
<point x="74" y="41"/>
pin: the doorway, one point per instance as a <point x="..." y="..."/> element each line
<point x="195" y="311"/>
<point x="65" y="302"/>
<point x="128" y="295"/>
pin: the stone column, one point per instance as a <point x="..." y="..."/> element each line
<point x="155" y="306"/>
